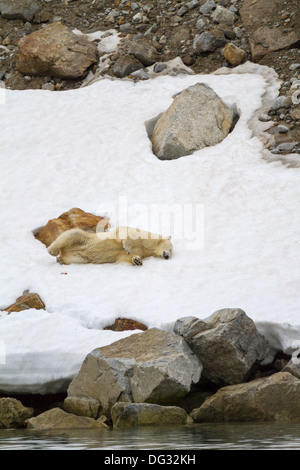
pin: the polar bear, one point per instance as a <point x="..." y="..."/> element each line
<point x="123" y="244"/>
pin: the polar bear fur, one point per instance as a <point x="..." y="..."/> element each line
<point x="123" y="244"/>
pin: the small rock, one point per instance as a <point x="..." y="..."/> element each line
<point x="282" y="129"/>
<point x="20" y="9"/>
<point x="144" y="51"/>
<point x="264" y="118"/>
<point x="134" y="6"/>
<point x="207" y="7"/>
<point x="26" y="301"/>
<point x="193" y="4"/>
<point x="140" y="75"/>
<point x="282" y="102"/>
<point x="126" y="415"/>
<point x="124" y="28"/>
<point x="13" y="414"/>
<point x="200" y="24"/>
<point x="287" y="146"/>
<point x="233" y="54"/>
<point x="293" y="367"/>
<point x="159" y="67"/>
<point x="124" y="324"/>
<point x="182" y="11"/>
<point x="294" y="67"/>
<point x="57" y="418"/>
<point x="48" y="86"/>
<point x="209" y="41"/>
<point x="222" y="15"/>
<point x="125" y="65"/>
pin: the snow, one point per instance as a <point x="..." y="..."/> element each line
<point x="89" y="148"/>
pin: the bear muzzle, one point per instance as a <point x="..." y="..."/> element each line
<point x="166" y="254"/>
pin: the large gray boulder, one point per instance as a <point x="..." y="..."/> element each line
<point x="56" y="51"/>
<point x="197" y="118"/>
<point x="13" y="413"/>
<point x="145" y="414"/>
<point x="274" y="398"/>
<point x="227" y="344"/>
<point x="155" y="366"/>
<point x="20" y="9"/>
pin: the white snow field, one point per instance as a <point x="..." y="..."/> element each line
<point x="89" y="148"/>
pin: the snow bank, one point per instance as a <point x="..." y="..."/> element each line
<point x="89" y="148"/>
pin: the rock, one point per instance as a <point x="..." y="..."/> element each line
<point x="193" y="4"/>
<point x="124" y="324"/>
<point x="125" y="65"/>
<point x="222" y="15"/>
<point x="295" y="114"/>
<point x="56" y="51"/>
<point x="20" y="9"/>
<point x="282" y="102"/>
<point x="26" y="301"/>
<point x="197" y="118"/>
<point x="293" y="368"/>
<point x="59" y="419"/>
<point x="274" y="398"/>
<point x="200" y="24"/>
<point x="209" y="41"/>
<point x="150" y="367"/>
<point x="227" y="344"/>
<point x="207" y="7"/>
<point x="286" y="146"/>
<point x="267" y="38"/>
<point x="233" y="54"/>
<point x="71" y="219"/>
<point x="143" y="414"/>
<point x="282" y="129"/>
<point x="159" y="67"/>
<point x="144" y="51"/>
<point x="264" y="117"/>
<point x="13" y="413"/>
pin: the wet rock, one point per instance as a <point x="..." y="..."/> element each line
<point x="209" y="41"/>
<point x="26" y="301"/>
<point x="20" y="9"/>
<point x="13" y="413"/>
<point x="233" y="54"/>
<point x="150" y="367"/>
<point x="74" y="218"/>
<point x="60" y="419"/>
<point x="274" y="398"/>
<point x="125" y="65"/>
<point x="227" y="344"/>
<point x="197" y="118"/>
<point x="126" y="415"/>
<point x="56" y="51"/>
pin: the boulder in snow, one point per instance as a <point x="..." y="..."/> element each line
<point x="197" y="118"/>
<point x="26" y="301"/>
<point x="227" y="344"/>
<point x="154" y="366"/>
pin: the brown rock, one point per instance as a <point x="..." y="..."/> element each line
<point x="13" y="413"/>
<point x="59" y="419"/>
<point x="25" y="302"/>
<point x="274" y="398"/>
<point x="123" y="324"/>
<point x="55" y="50"/>
<point x="233" y="54"/>
<point x="73" y="218"/>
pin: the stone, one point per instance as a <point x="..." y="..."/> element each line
<point x="282" y="102"/>
<point x="125" y="65"/>
<point x="159" y="67"/>
<point x="207" y="7"/>
<point x="56" y="418"/>
<point x="126" y="415"/>
<point x="293" y="367"/>
<point x="193" y="4"/>
<point x="209" y="41"/>
<point x="295" y="114"/>
<point x="233" y="54"/>
<point x="264" y="117"/>
<point x="200" y="25"/>
<point x="154" y="366"/>
<point x="26" y="301"/>
<point x="20" y="9"/>
<point x="273" y="398"/>
<point x="124" y="324"/>
<point x="13" y="414"/>
<point x="56" y="51"/>
<point x="227" y="344"/>
<point x="74" y="218"/>
<point x="286" y="146"/>
<point x="266" y="38"/>
<point x="282" y="129"/>
<point x="197" y="118"/>
<point x="222" y="15"/>
<point x="144" y="51"/>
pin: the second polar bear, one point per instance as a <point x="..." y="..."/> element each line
<point x="123" y="244"/>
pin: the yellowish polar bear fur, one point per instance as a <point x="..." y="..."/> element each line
<point x="123" y="244"/>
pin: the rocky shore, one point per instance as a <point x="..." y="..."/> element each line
<point x="215" y="370"/>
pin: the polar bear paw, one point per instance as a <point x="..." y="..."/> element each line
<point x="137" y="260"/>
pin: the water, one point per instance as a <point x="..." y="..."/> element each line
<point x="233" y="436"/>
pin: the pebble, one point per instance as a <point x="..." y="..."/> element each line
<point x="200" y="24"/>
<point x="287" y="146"/>
<point x="282" y="129"/>
<point x="294" y="67"/>
<point x="48" y="86"/>
<point x="159" y="67"/>
<point x="264" y="117"/>
<point x="208" y="6"/>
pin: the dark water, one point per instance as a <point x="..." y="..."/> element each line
<point x="239" y="436"/>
